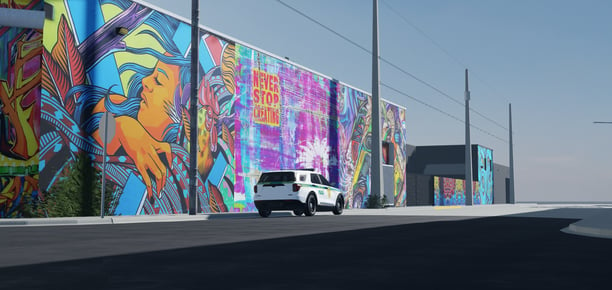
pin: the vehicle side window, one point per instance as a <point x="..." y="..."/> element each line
<point x="302" y="178"/>
<point x="323" y="180"/>
<point x="314" y="178"/>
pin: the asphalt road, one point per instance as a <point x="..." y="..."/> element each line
<point x="353" y="252"/>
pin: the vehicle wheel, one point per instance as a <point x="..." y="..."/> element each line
<point x="264" y="212"/>
<point x="298" y="212"/>
<point x="311" y="205"/>
<point x="339" y="206"/>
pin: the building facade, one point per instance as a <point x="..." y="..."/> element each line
<point x="256" y="112"/>
<point x="443" y="169"/>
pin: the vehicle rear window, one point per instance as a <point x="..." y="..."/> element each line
<point x="277" y="177"/>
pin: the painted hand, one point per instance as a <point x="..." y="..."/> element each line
<point x="147" y="154"/>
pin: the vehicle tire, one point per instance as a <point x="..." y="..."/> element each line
<point x="264" y="212"/>
<point x="339" y="206"/>
<point x="311" y="205"/>
<point x="298" y="212"/>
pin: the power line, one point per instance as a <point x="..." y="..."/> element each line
<point x="442" y="111"/>
<point x="396" y="67"/>
<point x="435" y="43"/>
<point x="445" y="52"/>
<point x="324" y="26"/>
<point x="423" y="33"/>
<point x="442" y="93"/>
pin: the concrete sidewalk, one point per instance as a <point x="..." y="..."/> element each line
<point x="595" y="219"/>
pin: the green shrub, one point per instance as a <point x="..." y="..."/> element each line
<point x="76" y="194"/>
<point x="374" y="201"/>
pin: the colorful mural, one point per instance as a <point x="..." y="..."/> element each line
<point x="143" y="79"/>
<point x="394" y="132"/>
<point x="448" y="191"/>
<point x="292" y="118"/>
<point x="484" y="193"/>
<point x="22" y="4"/>
<point x="354" y="138"/>
<point x="20" y="76"/>
<point x="255" y="113"/>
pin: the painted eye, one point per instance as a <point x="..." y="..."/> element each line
<point x="157" y="81"/>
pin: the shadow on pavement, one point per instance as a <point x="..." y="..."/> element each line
<point x="496" y="252"/>
<point x="576" y="213"/>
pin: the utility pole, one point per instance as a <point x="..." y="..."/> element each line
<point x="468" y="145"/>
<point x="511" y="189"/>
<point x="193" y="107"/>
<point x="376" y="179"/>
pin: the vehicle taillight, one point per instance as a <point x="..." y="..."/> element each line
<point x="255" y="188"/>
<point x="296" y="187"/>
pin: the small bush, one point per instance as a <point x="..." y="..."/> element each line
<point x="374" y="201"/>
<point x="76" y="194"/>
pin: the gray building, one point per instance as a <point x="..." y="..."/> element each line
<point x="425" y="162"/>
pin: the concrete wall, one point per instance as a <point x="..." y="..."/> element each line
<point x="500" y="174"/>
<point x="419" y="190"/>
<point x="389" y="183"/>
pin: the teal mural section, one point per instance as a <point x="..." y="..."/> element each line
<point x="484" y="193"/>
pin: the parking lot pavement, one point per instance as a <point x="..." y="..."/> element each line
<point x="595" y="219"/>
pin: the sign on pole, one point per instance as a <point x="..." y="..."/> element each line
<point x="107" y="132"/>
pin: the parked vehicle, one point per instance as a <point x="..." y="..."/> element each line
<point x="302" y="191"/>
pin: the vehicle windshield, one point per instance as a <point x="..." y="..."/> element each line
<point x="277" y="177"/>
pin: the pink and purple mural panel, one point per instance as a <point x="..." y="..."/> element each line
<point x="291" y="118"/>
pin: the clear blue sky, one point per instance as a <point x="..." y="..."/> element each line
<point x="550" y="58"/>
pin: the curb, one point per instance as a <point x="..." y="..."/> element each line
<point x="53" y="222"/>
<point x="594" y="232"/>
<point x="111" y="220"/>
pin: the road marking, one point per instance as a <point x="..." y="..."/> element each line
<point x="447" y="207"/>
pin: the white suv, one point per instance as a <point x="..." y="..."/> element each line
<point x="303" y="191"/>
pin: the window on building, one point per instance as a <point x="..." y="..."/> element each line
<point x="387" y="153"/>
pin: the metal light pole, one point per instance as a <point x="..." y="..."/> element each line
<point x="511" y="189"/>
<point x="376" y="163"/>
<point x="596" y="122"/>
<point x="193" y="134"/>
<point x="468" y="145"/>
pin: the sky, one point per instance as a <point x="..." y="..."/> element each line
<point x="549" y="58"/>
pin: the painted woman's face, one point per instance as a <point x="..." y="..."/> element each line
<point x="158" y="98"/>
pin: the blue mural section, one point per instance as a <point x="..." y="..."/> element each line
<point x="483" y="194"/>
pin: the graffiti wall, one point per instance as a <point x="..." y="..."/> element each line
<point x="255" y="113"/>
<point x="293" y="118"/>
<point x="354" y="137"/>
<point x="449" y="191"/>
<point x="484" y="193"/>
<point x="393" y="119"/>
<point x="141" y="76"/>
<point x="20" y="76"/>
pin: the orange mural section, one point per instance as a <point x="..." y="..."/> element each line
<point x="20" y="89"/>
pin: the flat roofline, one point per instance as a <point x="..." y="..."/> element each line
<point x="235" y="40"/>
